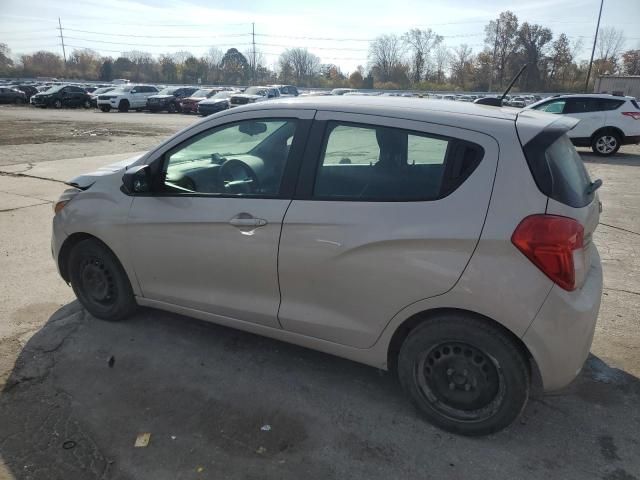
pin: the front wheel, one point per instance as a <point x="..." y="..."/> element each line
<point x="57" y="104"/>
<point x="464" y="374"/>
<point x="100" y="282"/>
<point x="123" y="106"/>
<point x="105" y="108"/>
<point x="86" y="104"/>
<point x="605" y="143"/>
<point x="173" y="108"/>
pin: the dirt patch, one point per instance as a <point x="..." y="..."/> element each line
<point x="23" y="131"/>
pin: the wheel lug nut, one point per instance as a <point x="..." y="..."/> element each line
<point x="465" y="372"/>
<point x="449" y="371"/>
<point x="467" y="387"/>
<point x="452" y="386"/>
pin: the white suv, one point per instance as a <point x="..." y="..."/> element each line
<point x="125" y="97"/>
<point x="606" y="121"/>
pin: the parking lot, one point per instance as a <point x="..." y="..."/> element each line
<point x="220" y="403"/>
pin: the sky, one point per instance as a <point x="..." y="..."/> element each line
<point x="337" y="31"/>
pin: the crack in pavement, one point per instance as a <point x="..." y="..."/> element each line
<point x="27" y="196"/>
<point x="631" y="292"/>
<point x="26" y="206"/>
<point x="620" y="228"/>
<point x="21" y="174"/>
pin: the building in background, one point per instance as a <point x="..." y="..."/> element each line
<point x="618" y="85"/>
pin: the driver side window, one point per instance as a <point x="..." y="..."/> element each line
<point x="245" y="158"/>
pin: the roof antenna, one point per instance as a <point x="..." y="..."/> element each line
<point x="495" y="101"/>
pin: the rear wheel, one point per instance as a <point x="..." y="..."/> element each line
<point x="464" y="374"/>
<point x="605" y="143"/>
<point x="100" y="282"/>
<point x="123" y="106"/>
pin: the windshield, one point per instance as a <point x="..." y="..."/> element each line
<point x="202" y="93"/>
<point x="256" y="91"/>
<point x="54" y="89"/>
<point x="103" y="90"/>
<point x="167" y="91"/>
<point x="222" y="95"/>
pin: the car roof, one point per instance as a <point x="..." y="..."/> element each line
<point x="377" y="105"/>
<point x="589" y="95"/>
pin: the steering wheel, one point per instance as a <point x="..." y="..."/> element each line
<point x="238" y="177"/>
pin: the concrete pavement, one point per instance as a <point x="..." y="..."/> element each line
<point x="204" y="392"/>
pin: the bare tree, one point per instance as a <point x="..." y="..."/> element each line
<point x="502" y="39"/>
<point x="385" y="55"/>
<point x="300" y="63"/>
<point x="631" y="62"/>
<point x="561" y="59"/>
<point x="442" y="59"/>
<point x="462" y="64"/>
<point x="420" y="43"/>
<point x="213" y="57"/>
<point x="532" y="43"/>
<point x="610" y="44"/>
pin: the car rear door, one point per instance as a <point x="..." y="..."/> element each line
<point x="198" y="243"/>
<point x="387" y="213"/>
<point x="588" y="111"/>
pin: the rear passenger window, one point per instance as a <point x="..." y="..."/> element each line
<point x="606" y="104"/>
<point x="371" y="163"/>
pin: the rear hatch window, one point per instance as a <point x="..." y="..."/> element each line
<point x="558" y="169"/>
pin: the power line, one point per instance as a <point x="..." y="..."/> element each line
<point x="230" y="35"/>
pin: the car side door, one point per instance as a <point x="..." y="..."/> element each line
<point x="206" y="238"/>
<point x="588" y="111"/>
<point x="387" y="212"/>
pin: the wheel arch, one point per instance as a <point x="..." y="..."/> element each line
<point x="68" y="244"/>
<point x="404" y="329"/>
<point x="615" y="130"/>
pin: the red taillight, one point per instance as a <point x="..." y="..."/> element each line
<point x="550" y="242"/>
<point x="634" y="115"/>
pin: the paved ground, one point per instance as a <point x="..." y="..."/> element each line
<point x="204" y="392"/>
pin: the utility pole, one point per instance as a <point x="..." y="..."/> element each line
<point x="64" y="54"/>
<point x="253" y="36"/>
<point x="495" y="49"/>
<point x="593" y="50"/>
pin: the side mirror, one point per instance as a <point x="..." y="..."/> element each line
<point x="136" y="180"/>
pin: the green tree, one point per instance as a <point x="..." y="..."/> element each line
<point x="234" y="66"/>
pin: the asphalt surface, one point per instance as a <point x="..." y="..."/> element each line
<point x="223" y="404"/>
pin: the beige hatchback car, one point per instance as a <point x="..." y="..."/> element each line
<point x="446" y="241"/>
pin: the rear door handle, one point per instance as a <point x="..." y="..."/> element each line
<point x="244" y="221"/>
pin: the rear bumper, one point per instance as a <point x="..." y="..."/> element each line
<point x="561" y="334"/>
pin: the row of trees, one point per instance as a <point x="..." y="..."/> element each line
<point x="418" y="59"/>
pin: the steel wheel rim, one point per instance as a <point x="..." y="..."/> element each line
<point x="98" y="283"/>
<point x="606" y="144"/>
<point x="460" y="381"/>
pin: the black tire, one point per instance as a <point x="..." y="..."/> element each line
<point x="57" y="103"/>
<point x="19" y="101"/>
<point x="105" y="108"/>
<point x="173" y="108"/>
<point x="100" y="282"/>
<point x="464" y="374"/>
<point x="123" y="106"/>
<point x="605" y="143"/>
<point x="87" y="104"/>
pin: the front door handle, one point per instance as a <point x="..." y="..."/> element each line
<point x="246" y="220"/>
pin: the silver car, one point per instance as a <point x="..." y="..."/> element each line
<point x="448" y="242"/>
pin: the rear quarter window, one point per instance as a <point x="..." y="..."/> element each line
<point x="558" y="169"/>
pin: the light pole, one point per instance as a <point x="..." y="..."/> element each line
<point x="595" y="39"/>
